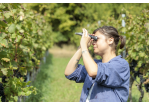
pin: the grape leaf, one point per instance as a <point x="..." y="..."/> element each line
<point x="7" y="14"/>
<point x="12" y="28"/>
<point x="18" y="26"/>
<point x="0" y="80"/>
<point x="15" y="98"/>
<point x="4" y="71"/>
<point x="6" y="59"/>
<point x="13" y="35"/>
<point x="2" y="6"/>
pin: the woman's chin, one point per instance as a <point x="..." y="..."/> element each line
<point x="95" y="52"/>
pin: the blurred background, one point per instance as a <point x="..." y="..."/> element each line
<point x="68" y="18"/>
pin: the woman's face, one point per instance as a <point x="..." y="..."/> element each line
<point x="101" y="45"/>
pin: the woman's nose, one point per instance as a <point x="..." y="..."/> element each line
<point x="94" y="42"/>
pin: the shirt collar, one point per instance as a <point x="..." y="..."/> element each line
<point x="117" y="57"/>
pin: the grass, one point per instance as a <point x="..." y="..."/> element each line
<point x="54" y="87"/>
<point x="52" y="84"/>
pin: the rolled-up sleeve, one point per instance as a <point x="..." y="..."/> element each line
<point x="112" y="74"/>
<point x="78" y="75"/>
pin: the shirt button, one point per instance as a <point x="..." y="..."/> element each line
<point x="88" y="88"/>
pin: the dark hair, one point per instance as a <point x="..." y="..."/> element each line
<point x="110" y="31"/>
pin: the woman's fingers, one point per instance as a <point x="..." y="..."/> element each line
<point x="85" y="32"/>
<point x="92" y="34"/>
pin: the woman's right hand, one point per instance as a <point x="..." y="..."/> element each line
<point x="90" y="42"/>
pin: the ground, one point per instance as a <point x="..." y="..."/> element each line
<point x="64" y="51"/>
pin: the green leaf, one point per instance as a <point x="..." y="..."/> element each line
<point x="10" y="20"/>
<point x="10" y="73"/>
<point x="2" y="6"/>
<point x="23" y="71"/>
<point x="18" y="38"/>
<point x="15" y="68"/>
<point x="7" y="91"/>
<point x="0" y="80"/>
<point x="15" y="98"/>
<point x="12" y="28"/>
<point x="13" y="86"/>
<point x="13" y="64"/>
<point x="142" y="54"/>
<point x="7" y="14"/>
<point x="6" y="59"/>
<point x="3" y="24"/>
<point x="21" y="93"/>
<point x="3" y="54"/>
<point x="139" y="63"/>
<point x="28" y="93"/>
<point x="133" y="54"/>
<point x="2" y="36"/>
<point x="28" y="82"/>
<point x="4" y="43"/>
<point x="4" y="71"/>
<point x="14" y="11"/>
<point x="13" y="35"/>
<point x="22" y="31"/>
<point x="18" y="26"/>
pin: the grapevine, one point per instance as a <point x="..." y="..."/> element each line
<point x="24" y="39"/>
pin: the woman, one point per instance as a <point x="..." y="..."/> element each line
<point x="107" y="79"/>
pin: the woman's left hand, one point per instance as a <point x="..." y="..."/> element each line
<point x="85" y="39"/>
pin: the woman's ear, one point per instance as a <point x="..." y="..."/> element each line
<point x="111" y="40"/>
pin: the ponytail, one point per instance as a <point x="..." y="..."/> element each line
<point x="123" y="40"/>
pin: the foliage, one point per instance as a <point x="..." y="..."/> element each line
<point x="68" y="18"/>
<point x="24" y="38"/>
<point x="137" y="43"/>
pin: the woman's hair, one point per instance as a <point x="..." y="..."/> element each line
<point x="110" y="31"/>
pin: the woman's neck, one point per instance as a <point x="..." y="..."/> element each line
<point x="108" y="56"/>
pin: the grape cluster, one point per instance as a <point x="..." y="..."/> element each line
<point x="2" y="93"/>
<point x="137" y="73"/>
<point x="33" y="60"/>
<point x="3" y="79"/>
<point x="132" y="65"/>
<point x="18" y="74"/>
<point x="147" y="87"/>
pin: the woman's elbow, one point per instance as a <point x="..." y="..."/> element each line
<point x="92" y="74"/>
<point x="66" y="73"/>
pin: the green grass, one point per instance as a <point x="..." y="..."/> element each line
<point x="54" y="87"/>
<point x="52" y="84"/>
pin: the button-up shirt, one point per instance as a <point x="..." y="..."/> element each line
<point x="111" y="83"/>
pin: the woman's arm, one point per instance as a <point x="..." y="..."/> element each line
<point x="73" y="63"/>
<point x="89" y="63"/>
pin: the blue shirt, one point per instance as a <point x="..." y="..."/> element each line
<point x="111" y="83"/>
